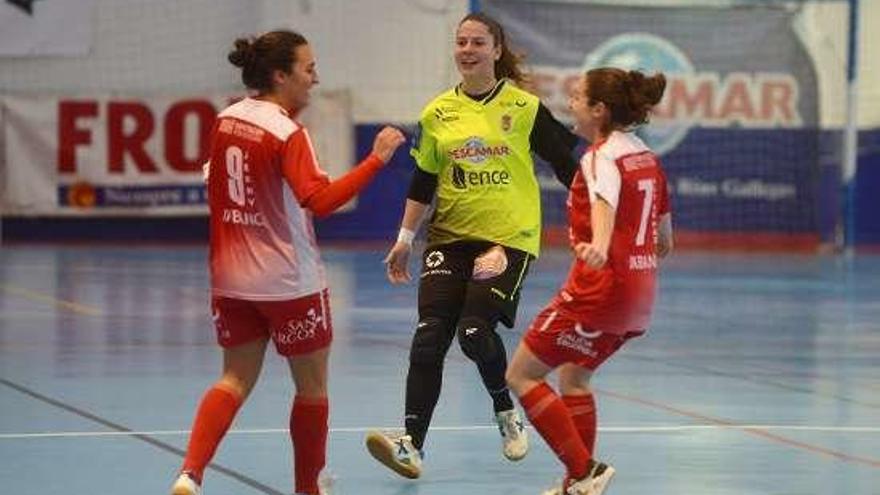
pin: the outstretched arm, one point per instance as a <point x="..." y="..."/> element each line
<point x="327" y="199"/>
<point x="553" y="142"/>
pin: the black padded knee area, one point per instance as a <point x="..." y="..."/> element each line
<point x="478" y="340"/>
<point x="431" y="341"/>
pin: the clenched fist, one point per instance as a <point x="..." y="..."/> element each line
<point x="590" y="254"/>
<point x="387" y="142"/>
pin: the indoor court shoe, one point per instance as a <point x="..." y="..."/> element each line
<point x="594" y="483"/>
<point x="185" y="485"/>
<point x="513" y="434"/>
<point x="396" y="452"/>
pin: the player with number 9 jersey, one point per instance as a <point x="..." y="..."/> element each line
<point x="263" y="171"/>
<point x="267" y="279"/>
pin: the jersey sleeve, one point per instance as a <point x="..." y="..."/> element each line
<point x="424" y="146"/>
<point x="553" y="142"/>
<point x="603" y="177"/>
<point x="300" y="166"/>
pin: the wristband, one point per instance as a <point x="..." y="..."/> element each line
<point x="406" y="236"/>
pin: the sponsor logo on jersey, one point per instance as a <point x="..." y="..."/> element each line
<point x="475" y="150"/>
<point x="580" y="341"/>
<point x="241" y="129"/>
<point x="298" y="330"/>
<point x="462" y="178"/>
<point x="241" y="217"/>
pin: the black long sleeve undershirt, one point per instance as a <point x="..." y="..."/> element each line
<point x="553" y="142"/>
<point x="422" y="186"/>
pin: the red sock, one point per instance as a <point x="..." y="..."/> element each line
<point x="213" y="418"/>
<point x="551" y="418"/>
<point x="308" y="430"/>
<point x="582" y="409"/>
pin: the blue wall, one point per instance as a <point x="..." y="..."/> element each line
<point x="380" y="206"/>
<point x="867" y="194"/>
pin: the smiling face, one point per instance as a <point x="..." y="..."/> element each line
<point x="476" y="51"/>
<point x="292" y="88"/>
<point x="590" y="120"/>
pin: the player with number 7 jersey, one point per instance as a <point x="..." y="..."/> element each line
<point x="618" y="296"/>
<point x="620" y="225"/>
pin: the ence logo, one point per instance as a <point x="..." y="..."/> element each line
<point x="461" y="178"/>
<point x="476" y="151"/>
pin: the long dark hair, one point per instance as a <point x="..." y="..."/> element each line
<point x="509" y="64"/>
<point x="259" y="57"/>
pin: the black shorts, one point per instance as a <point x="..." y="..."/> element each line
<point x="447" y="288"/>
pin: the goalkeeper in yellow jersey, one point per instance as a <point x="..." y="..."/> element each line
<point x="473" y="155"/>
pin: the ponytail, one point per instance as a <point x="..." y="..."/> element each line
<point x="629" y="95"/>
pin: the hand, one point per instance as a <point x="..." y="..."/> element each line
<point x="590" y="254"/>
<point x="397" y="263"/>
<point x="663" y="248"/>
<point x="387" y="142"/>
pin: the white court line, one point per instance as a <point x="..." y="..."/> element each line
<point x="605" y="429"/>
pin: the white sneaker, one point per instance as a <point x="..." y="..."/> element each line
<point x="185" y="485"/>
<point x="513" y="434"/>
<point x="325" y="483"/>
<point x="396" y="452"/>
<point x="595" y="482"/>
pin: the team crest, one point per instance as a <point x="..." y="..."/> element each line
<point x="506" y="121"/>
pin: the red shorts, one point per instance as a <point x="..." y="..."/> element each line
<point x="556" y="339"/>
<point x="296" y="326"/>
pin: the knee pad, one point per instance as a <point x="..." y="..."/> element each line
<point x="431" y="341"/>
<point x="478" y="340"/>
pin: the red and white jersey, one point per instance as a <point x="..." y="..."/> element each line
<point x="618" y="297"/>
<point x="262" y="170"/>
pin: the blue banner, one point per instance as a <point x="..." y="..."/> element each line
<point x="737" y="129"/>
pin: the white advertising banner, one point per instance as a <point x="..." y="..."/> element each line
<point x="129" y="155"/>
<point x="36" y="28"/>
